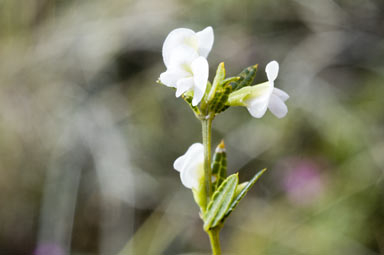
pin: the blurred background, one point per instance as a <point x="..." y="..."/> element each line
<point x="88" y="139"/>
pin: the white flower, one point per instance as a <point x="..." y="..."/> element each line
<point x="201" y="42"/>
<point x="264" y="96"/>
<point x="186" y="71"/>
<point x="184" y="55"/>
<point x="191" y="166"/>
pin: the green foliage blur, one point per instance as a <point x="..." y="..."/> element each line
<point x="88" y="139"/>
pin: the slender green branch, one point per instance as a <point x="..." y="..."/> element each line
<point x="215" y="241"/>
<point x="207" y="140"/>
<point x="207" y="132"/>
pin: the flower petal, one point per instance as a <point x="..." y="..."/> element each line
<point x="258" y="106"/>
<point x="194" y="152"/>
<point x="179" y="163"/>
<point x="197" y="96"/>
<point x="205" y="41"/>
<point x="181" y="58"/>
<point x="174" y="39"/>
<point x="272" y="70"/>
<point x="186" y="178"/>
<point x="200" y="70"/>
<point x="281" y="94"/>
<point x="170" y="77"/>
<point x="191" y="175"/>
<point x="189" y="165"/>
<point x="184" y="85"/>
<point x="277" y="106"/>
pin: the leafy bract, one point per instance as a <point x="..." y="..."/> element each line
<point x="220" y="201"/>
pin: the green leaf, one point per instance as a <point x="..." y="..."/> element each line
<point x="220" y="91"/>
<point x="230" y="79"/>
<point x="219" y="165"/>
<point x="242" y="193"/>
<point x="220" y="201"/>
<point x="218" y="103"/>
<point x="217" y="81"/>
<point x="246" y="78"/>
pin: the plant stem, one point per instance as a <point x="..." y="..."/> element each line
<point x="215" y="241"/>
<point x="207" y="141"/>
<point x="207" y="137"/>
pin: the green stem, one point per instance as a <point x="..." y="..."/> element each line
<point x="207" y="137"/>
<point x="215" y="241"/>
<point x="207" y="141"/>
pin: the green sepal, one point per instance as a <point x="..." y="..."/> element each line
<point x="188" y="98"/>
<point x="246" y="78"/>
<point x="219" y="165"/>
<point x="240" y="188"/>
<point x="217" y="81"/>
<point x="219" y="102"/>
<point x="240" y="97"/>
<point x="230" y="79"/>
<point x="220" y="202"/>
<point x="204" y="101"/>
<point x="240" y="194"/>
<point x="219" y="92"/>
<point x="199" y="195"/>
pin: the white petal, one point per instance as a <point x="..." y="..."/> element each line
<point x="179" y="163"/>
<point x="182" y="57"/>
<point x="183" y="85"/>
<point x="200" y="70"/>
<point x="191" y="175"/>
<point x="272" y="70"/>
<point x="277" y="106"/>
<point x="174" y="39"/>
<point x="205" y="41"/>
<point x="186" y="179"/>
<point x="281" y="94"/>
<point x="170" y="77"/>
<point x="258" y="106"/>
<point x="195" y="152"/>
<point x="189" y="165"/>
<point x="197" y="96"/>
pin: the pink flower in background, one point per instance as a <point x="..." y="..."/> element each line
<point x="303" y="181"/>
<point x="48" y="249"/>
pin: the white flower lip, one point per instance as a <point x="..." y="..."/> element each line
<point x="190" y="165"/>
<point x="184" y="55"/>
<point x="268" y="97"/>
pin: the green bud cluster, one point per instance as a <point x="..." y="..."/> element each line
<point x="216" y="98"/>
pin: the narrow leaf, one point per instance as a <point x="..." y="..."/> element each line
<point x="220" y="201"/>
<point x="217" y="81"/>
<point x="246" y="78"/>
<point x="242" y="193"/>
<point x="219" y="165"/>
<point x="230" y="79"/>
<point x="217" y="104"/>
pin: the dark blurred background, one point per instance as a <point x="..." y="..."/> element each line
<point x="88" y="139"/>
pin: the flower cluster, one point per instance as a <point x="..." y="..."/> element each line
<point x="185" y="55"/>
